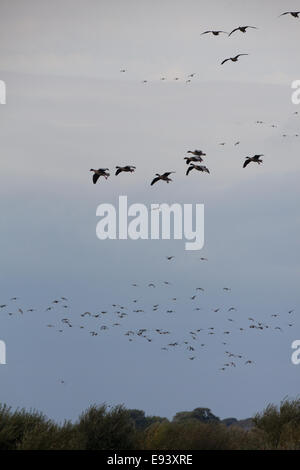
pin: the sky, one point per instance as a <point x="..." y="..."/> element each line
<point x="70" y="109"/>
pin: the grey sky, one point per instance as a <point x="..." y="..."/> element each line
<point x="69" y="109"/>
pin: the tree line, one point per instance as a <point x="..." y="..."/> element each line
<point x="101" y="427"/>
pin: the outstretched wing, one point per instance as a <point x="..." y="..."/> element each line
<point x="233" y="31"/>
<point x="95" y="178"/>
<point x="189" y="169"/>
<point x="239" y="55"/>
<point x="206" y="32"/>
<point x="155" y="180"/>
<point x="225" y="61"/>
<point x="119" y="170"/>
<point x="246" y="162"/>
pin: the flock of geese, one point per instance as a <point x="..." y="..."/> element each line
<point x="216" y="32"/>
<point x="209" y="325"/>
<point x="196" y="159"/>
<point x="193" y="162"/>
<point x="217" y="324"/>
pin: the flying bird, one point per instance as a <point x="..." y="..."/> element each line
<point x="295" y="14"/>
<point x="255" y="159"/>
<point x="214" y="32"/>
<point x="242" y="29"/>
<point x="163" y="177"/>
<point x="197" y="153"/>
<point x="98" y="173"/>
<point x="193" y="159"/>
<point x="201" y="168"/>
<point x="233" y="59"/>
<point x="126" y="169"/>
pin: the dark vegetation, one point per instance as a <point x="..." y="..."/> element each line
<point x="118" y="428"/>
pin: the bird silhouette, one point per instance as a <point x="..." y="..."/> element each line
<point x="163" y="177"/>
<point x="233" y="59"/>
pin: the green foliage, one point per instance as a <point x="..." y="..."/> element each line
<point x="141" y="421"/>
<point x="280" y="425"/>
<point x="104" y="428"/>
<point x="107" y="430"/>
<point x="189" y="435"/>
<point x="14" y="425"/>
<point x="200" y="414"/>
<point x="49" y="436"/>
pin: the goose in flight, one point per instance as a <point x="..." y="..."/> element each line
<point x="197" y="167"/>
<point x="127" y="168"/>
<point x="255" y="159"/>
<point x="193" y="159"/>
<point x="163" y="177"/>
<point x="197" y="153"/>
<point x="295" y="14"/>
<point x="243" y="29"/>
<point x="98" y="173"/>
<point x="233" y="59"/>
<point x="214" y="32"/>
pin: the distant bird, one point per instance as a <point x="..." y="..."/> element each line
<point x="233" y="59"/>
<point x="214" y="32"/>
<point x="295" y="14"/>
<point x="123" y="70"/>
<point x="169" y="258"/>
<point x="126" y="169"/>
<point x="163" y="177"/>
<point x="197" y="153"/>
<point x="242" y="29"/>
<point x="98" y="173"/>
<point x="203" y="259"/>
<point x="193" y="159"/>
<point x="255" y="159"/>
<point x="201" y="168"/>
